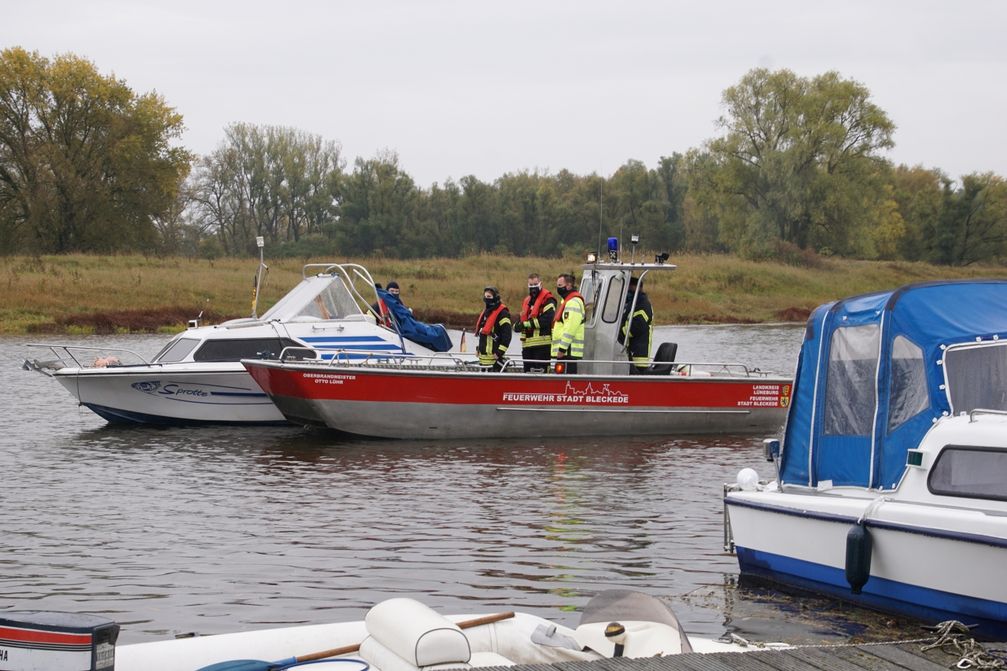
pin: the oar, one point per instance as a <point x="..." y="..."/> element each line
<point x="258" y="665"/>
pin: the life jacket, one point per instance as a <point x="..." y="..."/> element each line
<point x="562" y="306"/>
<point x="385" y="315"/>
<point x="491" y="320"/>
<point x="536" y="309"/>
<point x="541" y="330"/>
<point x="490" y="346"/>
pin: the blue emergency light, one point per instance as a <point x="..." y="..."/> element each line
<point x="613" y="249"/>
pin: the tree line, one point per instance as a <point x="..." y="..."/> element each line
<point x="797" y="169"/>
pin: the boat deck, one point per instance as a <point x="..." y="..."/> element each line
<point x="866" y="657"/>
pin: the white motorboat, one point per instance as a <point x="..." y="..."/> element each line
<point x="399" y="634"/>
<point x="197" y="376"/>
<point x="891" y="487"/>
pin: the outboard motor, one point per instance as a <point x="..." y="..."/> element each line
<point x="33" y="640"/>
<point x="618" y="623"/>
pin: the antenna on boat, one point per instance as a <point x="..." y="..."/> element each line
<point x="260" y="242"/>
<point x="601" y="212"/>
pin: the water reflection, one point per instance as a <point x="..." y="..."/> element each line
<point x="219" y="529"/>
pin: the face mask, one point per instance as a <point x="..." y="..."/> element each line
<point x="535" y="290"/>
<point x="491" y="302"/>
<point x="563" y="291"/>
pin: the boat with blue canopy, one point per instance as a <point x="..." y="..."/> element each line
<point x="891" y="479"/>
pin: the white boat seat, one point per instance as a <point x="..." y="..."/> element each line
<point x="485" y="659"/>
<point x="405" y="635"/>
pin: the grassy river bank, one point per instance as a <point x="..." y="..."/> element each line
<point x="80" y="294"/>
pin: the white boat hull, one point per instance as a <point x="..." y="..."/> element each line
<point x="922" y="562"/>
<point x="178" y="394"/>
<point x="198" y="378"/>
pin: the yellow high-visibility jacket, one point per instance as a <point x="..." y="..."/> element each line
<point x="568" y="327"/>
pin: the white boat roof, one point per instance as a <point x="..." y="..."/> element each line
<point x="628" y="267"/>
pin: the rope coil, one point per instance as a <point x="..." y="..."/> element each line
<point x="951" y="637"/>
<point x="955" y="638"/>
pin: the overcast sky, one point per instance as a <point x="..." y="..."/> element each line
<point x="459" y="87"/>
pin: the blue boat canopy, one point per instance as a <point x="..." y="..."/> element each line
<point x="434" y="336"/>
<point x="875" y="371"/>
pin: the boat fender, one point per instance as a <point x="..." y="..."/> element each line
<point x="858" y="557"/>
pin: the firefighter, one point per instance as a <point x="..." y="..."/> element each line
<point x="494" y="329"/>
<point x="385" y="315"/>
<point x="535" y="326"/>
<point x="568" y="326"/>
<point x="637" y="328"/>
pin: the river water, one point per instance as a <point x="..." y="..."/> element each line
<point x="210" y="530"/>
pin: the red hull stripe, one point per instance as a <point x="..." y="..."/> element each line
<point x="13" y="636"/>
<point x="348" y="384"/>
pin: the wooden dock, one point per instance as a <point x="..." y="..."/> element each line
<point x="866" y="657"/>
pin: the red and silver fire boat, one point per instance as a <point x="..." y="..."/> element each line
<point x="448" y="396"/>
<point x="411" y="399"/>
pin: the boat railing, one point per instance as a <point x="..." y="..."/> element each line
<point x="382" y="358"/>
<point x="457" y="361"/>
<point x="728" y="532"/>
<point x="985" y="411"/>
<point x="312" y="269"/>
<point x="83" y="356"/>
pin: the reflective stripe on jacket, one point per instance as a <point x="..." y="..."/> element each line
<point x="638" y="330"/>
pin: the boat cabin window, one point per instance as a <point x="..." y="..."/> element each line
<point x="909" y="383"/>
<point x="612" y="310"/>
<point x="244" y="348"/>
<point x="177" y="350"/>
<point x="976" y="377"/>
<point x="590" y="283"/>
<point x="973" y="472"/>
<point x="850" y="393"/>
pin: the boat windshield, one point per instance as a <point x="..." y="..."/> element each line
<point x="976" y="377"/>
<point x="320" y="297"/>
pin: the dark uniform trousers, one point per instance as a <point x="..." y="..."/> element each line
<point x="536" y="359"/>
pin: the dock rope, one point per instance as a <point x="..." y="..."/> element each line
<point x="951" y="637"/>
<point x="954" y="638"/>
